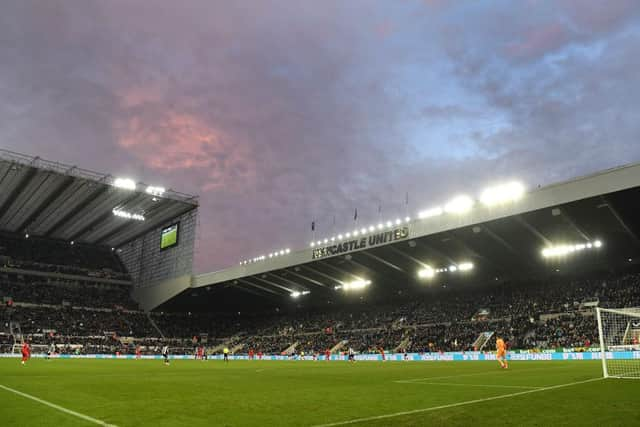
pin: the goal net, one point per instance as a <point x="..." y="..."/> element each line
<point x="619" y="331"/>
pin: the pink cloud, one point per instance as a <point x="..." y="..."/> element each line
<point x="173" y="141"/>
<point x="539" y="41"/>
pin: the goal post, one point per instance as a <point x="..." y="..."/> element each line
<point x="619" y="333"/>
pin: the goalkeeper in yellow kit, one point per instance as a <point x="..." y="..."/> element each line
<point x="501" y="353"/>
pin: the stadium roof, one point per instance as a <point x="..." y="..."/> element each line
<point x="503" y="241"/>
<point x="49" y="199"/>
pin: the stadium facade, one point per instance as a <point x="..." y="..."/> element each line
<point x="42" y="199"/>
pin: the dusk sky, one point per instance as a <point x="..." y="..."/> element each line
<point x="280" y="112"/>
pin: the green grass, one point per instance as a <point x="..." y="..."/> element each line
<point x="269" y="393"/>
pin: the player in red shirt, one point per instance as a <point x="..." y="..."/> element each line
<point x="26" y="352"/>
<point x="138" y="352"/>
<point x="251" y="354"/>
<point x="260" y="355"/>
<point x="382" y="354"/>
<point x="327" y="355"/>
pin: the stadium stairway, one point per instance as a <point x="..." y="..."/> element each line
<point x="155" y="326"/>
<point x="482" y="340"/>
<point x="404" y="344"/>
<point x="336" y="348"/>
<point x="236" y="348"/>
<point x="291" y="348"/>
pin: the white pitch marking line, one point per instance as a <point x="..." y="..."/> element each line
<point x="475" y="385"/>
<point x="58" y="407"/>
<point x="475" y="374"/>
<point x="454" y="405"/>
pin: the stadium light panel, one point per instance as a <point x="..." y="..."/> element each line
<point x="296" y="294"/>
<point x="348" y="235"/>
<point x="465" y="266"/>
<point x="372" y="228"/>
<point x="287" y="251"/>
<point x="426" y="273"/>
<point x="356" y="285"/>
<point x="356" y="232"/>
<point x="389" y="224"/>
<point x="459" y="205"/>
<point x="430" y="213"/>
<point x="26" y="235"/>
<point x="155" y="191"/>
<point x="312" y="244"/>
<point x="564" y="250"/>
<point x="124" y="183"/>
<point x="407" y="218"/>
<point x="363" y="231"/>
<point x="325" y="241"/>
<point x="380" y="226"/>
<point x="453" y="268"/>
<point x="501" y="194"/>
<point x="128" y="215"/>
<point x="333" y="239"/>
<point x="318" y="243"/>
<point x="398" y="221"/>
<point x="339" y="236"/>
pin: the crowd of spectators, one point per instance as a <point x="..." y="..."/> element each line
<point x="53" y="256"/>
<point x="540" y="314"/>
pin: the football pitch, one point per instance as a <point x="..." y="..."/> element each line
<point x="272" y="393"/>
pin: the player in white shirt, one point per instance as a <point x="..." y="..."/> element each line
<point x="165" y="354"/>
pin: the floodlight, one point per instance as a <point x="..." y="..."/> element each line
<point x="426" y="273"/>
<point x="306" y="292"/>
<point x="124" y="183"/>
<point x="312" y="244"/>
<point x="155" y="191"/>
<point x="318" y="243"/>
<point x="339" y="236"/>
<point x="562" y="250"/>
<point x="348" y="235"/>
<point x="26" y="235"/>
<point x="372" y="228"/>
<point x="465" y="266"/>
<point x="363" y="230"/>
<point x="356" y="284"/>
<point x="398" y="221"/>
<point x="389" y="224"/>
<point x="429" y="213"/>
<point x="281" y="252"/>
<point x="287" y="251"/>
<point x="453" y="268"/>
<point x="356" y="232"/>
<point x="407" y="218"/>
<point x="325" y="241"/>
<point x="380" y="226"/>
<point x="459" y="205"/>
<point x="502" y="194"/>
<point x="295" y="294"/>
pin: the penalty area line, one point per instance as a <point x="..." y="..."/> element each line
<point x="453" y="405"/>
<point x="58" y="407"/>
<point x="474" y="385"/>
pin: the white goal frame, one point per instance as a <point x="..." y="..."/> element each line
<point x="610" y="327"/>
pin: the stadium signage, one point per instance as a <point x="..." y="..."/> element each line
<point x="399" y="233"/>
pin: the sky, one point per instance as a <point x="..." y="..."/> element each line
<point x="278" y="113"/>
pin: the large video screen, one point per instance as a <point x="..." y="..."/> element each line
<point x="169" y="237"/>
